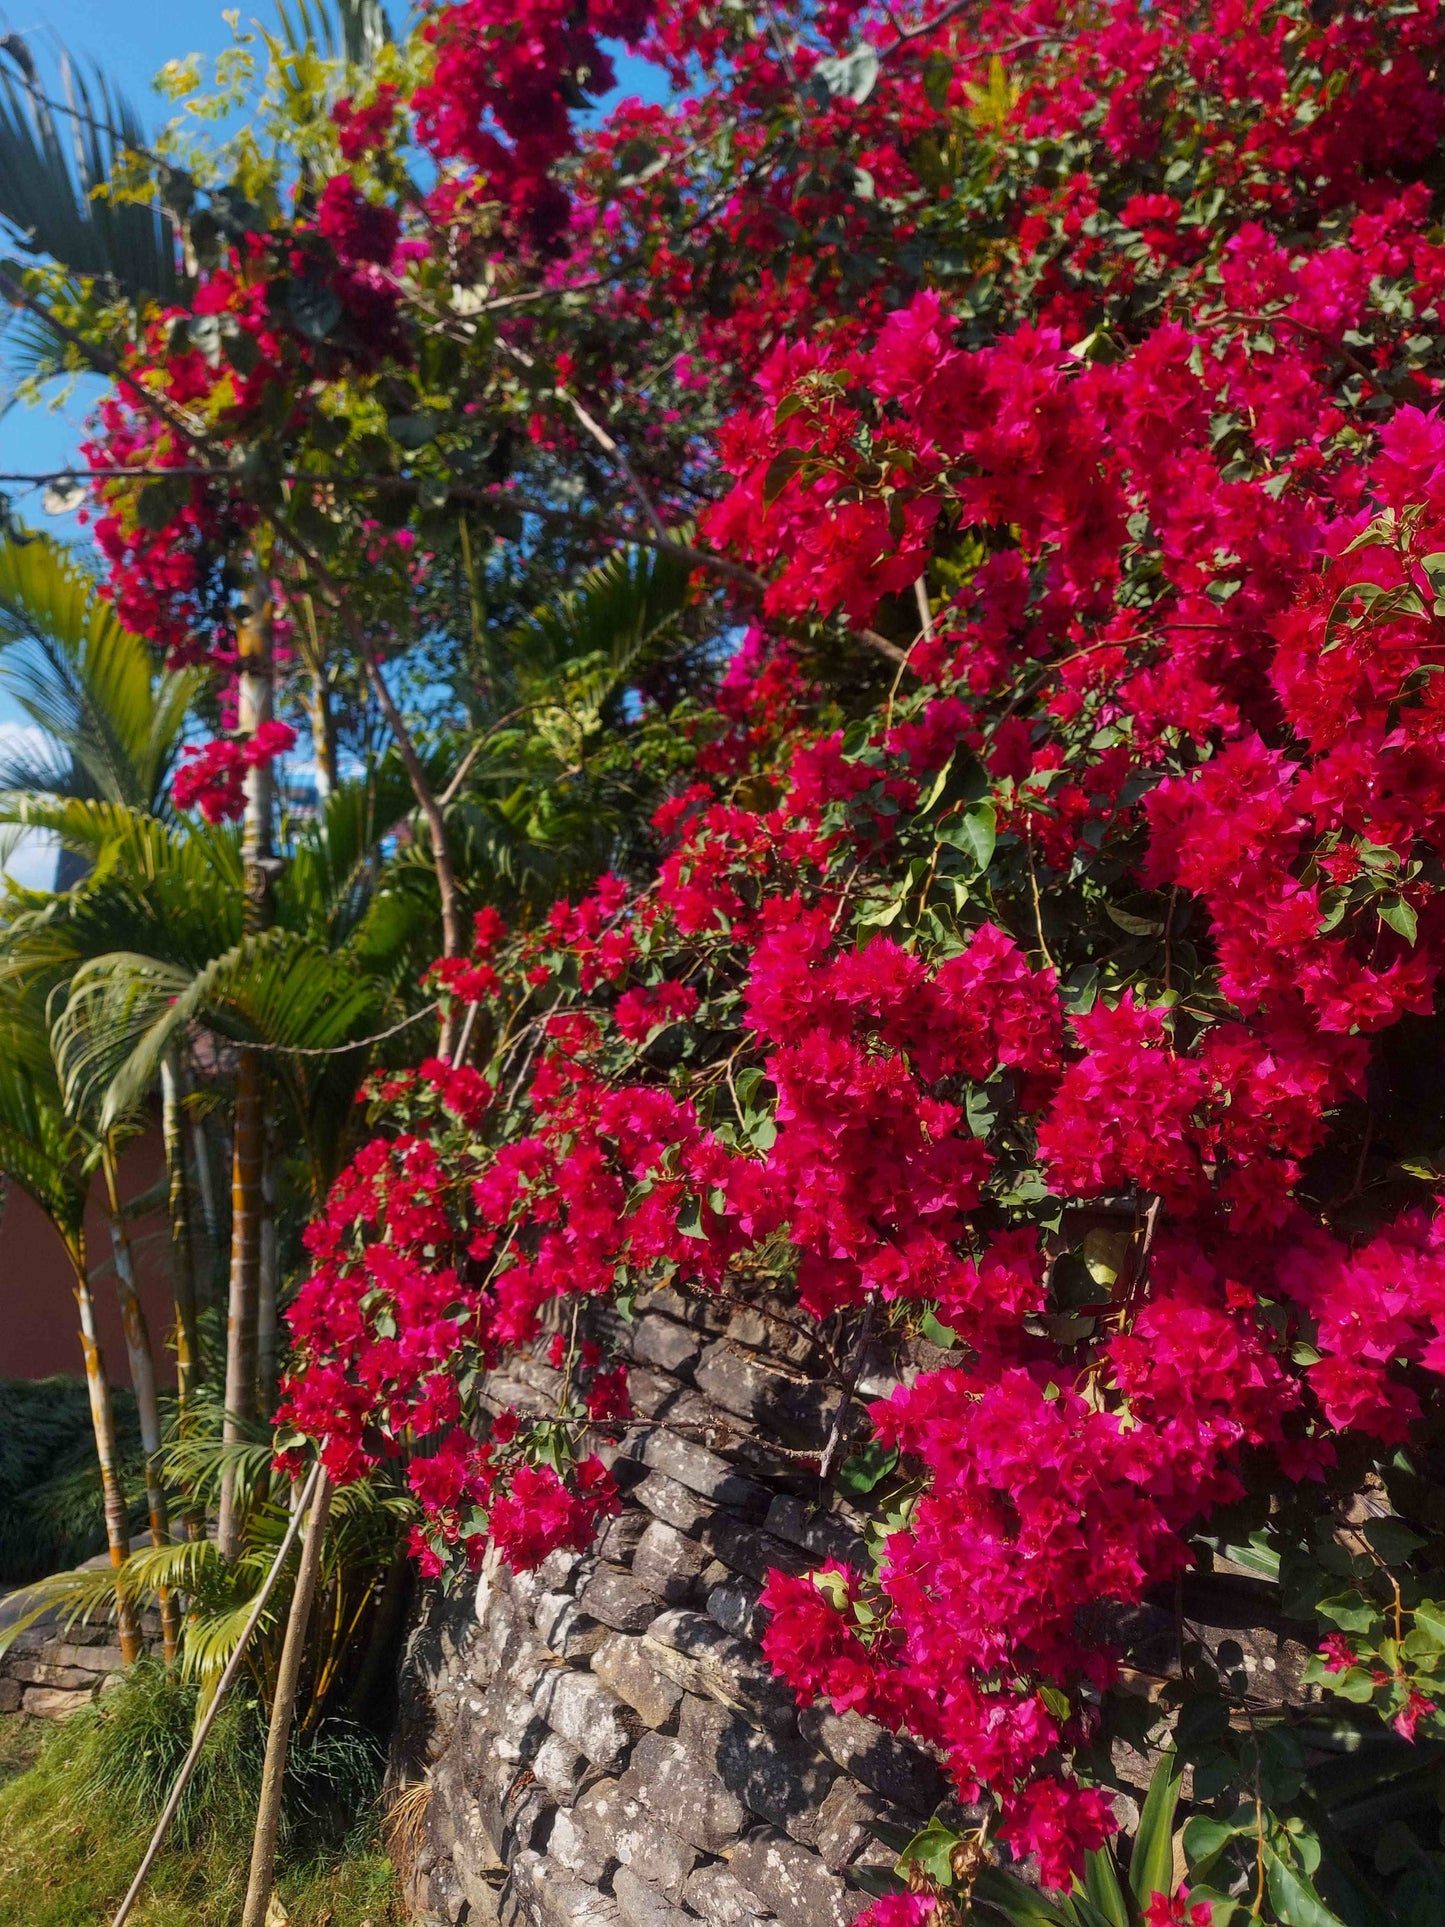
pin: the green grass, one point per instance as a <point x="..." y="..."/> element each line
<point x="77" y="1807"/>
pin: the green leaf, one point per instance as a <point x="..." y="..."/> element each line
<point x="866" y="1468"/>
<point x="781" y="470"/>
<point x="974" y="832"/>
<point x="1102" y="1889"/>
<point x="1135" y="926"/>
<point x="689" y="1218"/>
<point x="1392" y="1540"/>
<point x="1294" y="1897"/>
<point x="160" y="502"/>
<point x="937" y="77"/>
<point x="944" y="1336"/>
<point x="1349" y="1612"/>
<point x="1151" y="1867"/>
<point x="1400" y="916"/>
<point x="1205" y="1838"/>
<point x="933" y="1851"/>
<point x="1005" y="1894"/>
<point x="1430" y="1619"/>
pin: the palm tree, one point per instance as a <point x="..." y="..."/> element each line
<point x="109" y="721"/>
<point x="42" y="1152"/>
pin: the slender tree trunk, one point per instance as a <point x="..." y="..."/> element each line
<point x="143" y="1382"/>
<point x="318" y="705"/>
<point x="266" y="1319"/>
<point x="183" y="1263"/>
<point x="258" y="864"/>
<point x="283" y="1707"/>
<point x="206" y="1190"/>
<point x="107" y="1451"/>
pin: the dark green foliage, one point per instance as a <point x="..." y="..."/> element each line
<point x="50" y="1497"/>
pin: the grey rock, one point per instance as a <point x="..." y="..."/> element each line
<point x="873" y="1755"/>
<point x="755" y="1390"/>
<point x="671" y="1783"/>
<point x="654" y="1394"/>
<point x="847" y="1823"/>
<point x="625" y="1668"/>
<point x="550" y="1897"/>
<point x="794" y="1883"/>
<point x="668" y="1500"/>
<point x="581" y="1709"/>
<point x="775" y="1776"/>
<point x="697" y="1312"/>
<point x="733" y="1603"/>
<point x="693" y="1650"/>
<point x="702" y="1471"/>
<point x="53" y="1702"/>
<point x="667" y="1562"/>
<point x="618" y="1538"/>
<point x="580" y="1846"/>
<point x="10" y="1693"/>
<point x="567" y="1630"/>
<point x="618" y="1600"/>
<point x="717" y="1895"/>
<point x="643" y="1906"/>
<point x="656" y="1854"/>
<point x="822" y="1533"/>
<point x="35" y="1672"/>
<point x="746" y="1549"/>
<point x="93" y="1658"/>
<point x="560" y="1768"/>
<point x="658" y="1341"/>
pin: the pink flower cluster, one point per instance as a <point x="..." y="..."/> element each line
<point x="211" y="777"/>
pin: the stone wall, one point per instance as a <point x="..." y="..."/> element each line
<point x="602" y="1739"/>
<point x="50" y="1672"/>
<point x="600" y="1743"/>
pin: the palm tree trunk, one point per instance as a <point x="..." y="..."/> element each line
<point x="143" y="1381"/>
<point x="107" y="1451"/>
<point x="258" y="867"/>
<point x="206" y="1189"/>
<point x="266" y="1315"/>
<point x="183" y="1264"/>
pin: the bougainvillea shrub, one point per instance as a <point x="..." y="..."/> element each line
<point x="1058" y="977"/>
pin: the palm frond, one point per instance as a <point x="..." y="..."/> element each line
<point x="617" y="611"/>
<point x="351" y="30"/>
<point x="93" y="688"/>
<point x="124" y="1011"/>
<point x="83" y="1593"/>
<point x="52" y="161"/>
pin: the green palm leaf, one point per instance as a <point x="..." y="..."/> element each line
<point x="351" y="30"/>
<point x="52" y="160"/>
<point x="123" y="1012"/>
<point x="93" y="688"/>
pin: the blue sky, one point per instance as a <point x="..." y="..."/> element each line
<point x="131" y="40"/>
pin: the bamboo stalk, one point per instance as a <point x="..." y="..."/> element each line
<point x="258" y="864"/>
<point x="102" y="1418"/>
<point x="283" y="1706"/>
<point x="183" y="1267"/>
<point x="143" y="1382"/>
<point x="208" y="1718"/>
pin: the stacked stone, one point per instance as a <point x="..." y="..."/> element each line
<point x="49" y="1673"/>
<point x="603" y="1740"/>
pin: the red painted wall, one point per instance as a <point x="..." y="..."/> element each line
<point x="38" y="1325"/>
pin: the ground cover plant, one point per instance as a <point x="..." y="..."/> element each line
<point x="74" y="1824"/>
<point x="1029" y="940"/>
